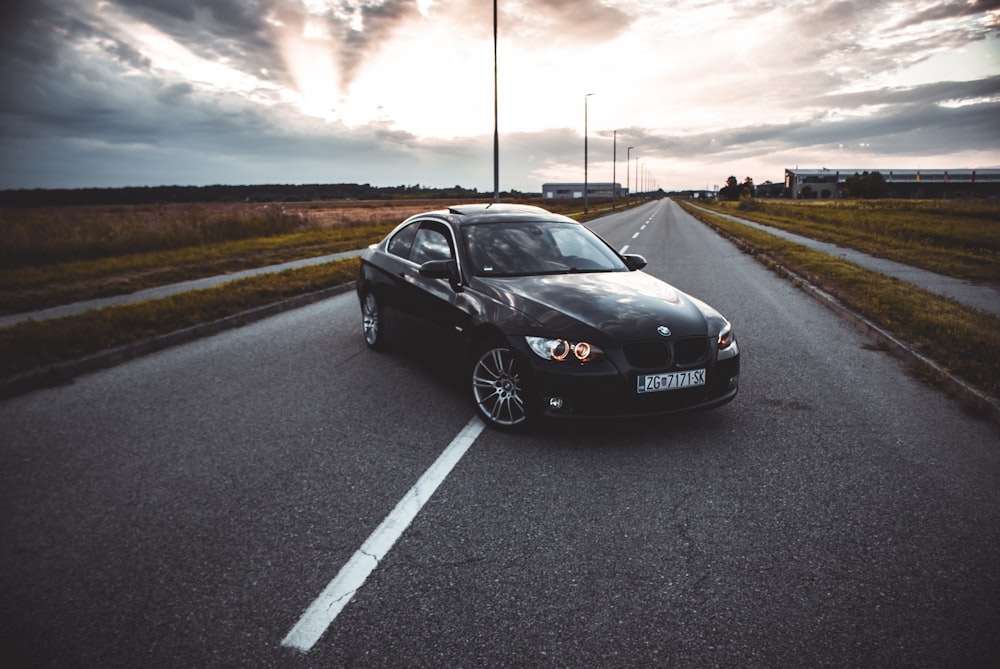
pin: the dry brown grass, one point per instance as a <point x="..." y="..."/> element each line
<point x="43" y="236"/>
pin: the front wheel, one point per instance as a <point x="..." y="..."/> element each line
<point x="373" y="323"/>
<point x="499" y="387"/>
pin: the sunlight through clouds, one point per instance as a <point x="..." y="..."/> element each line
<point x="698" y="87"/>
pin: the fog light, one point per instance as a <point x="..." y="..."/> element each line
<point x="555" y="403"/>
<point x="734" y="381"/>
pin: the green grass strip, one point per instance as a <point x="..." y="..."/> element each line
<point x="942" y="240"/>
<point x="34" y="344"/>
<point x="957" y="337"/>
<point x="31" y="288"/>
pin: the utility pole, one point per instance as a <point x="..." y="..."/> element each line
<point x="614" y="170"/>
<point x="628" y="174"/>
<point x="585" y="187"/>
<point x="496" y="114"/>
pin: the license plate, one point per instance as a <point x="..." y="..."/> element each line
<point x="654" y="383"/>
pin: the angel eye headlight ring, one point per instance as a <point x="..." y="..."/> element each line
<point x="564" y="350"/>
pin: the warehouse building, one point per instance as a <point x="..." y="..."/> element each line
<point x="558" y="191"/>
<point x="830" y="183"/>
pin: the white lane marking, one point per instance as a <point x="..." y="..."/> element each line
<point x="325" y="608"/>
<point x="635" y="235"/>
<point x="624" y="249"/>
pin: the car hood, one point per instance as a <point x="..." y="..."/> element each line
<point x="624" y="306"/>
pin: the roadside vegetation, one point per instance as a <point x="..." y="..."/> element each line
<point x="958" y="238"/>
<point x="34" y="344"/>
<point x="55" y="256"/>
<point x="957" y="337"/>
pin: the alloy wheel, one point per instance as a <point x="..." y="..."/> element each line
<point x="371" y="322"/>
<point x="497" y="388"/>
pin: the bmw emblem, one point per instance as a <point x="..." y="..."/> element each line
<point x="663" y="330"/>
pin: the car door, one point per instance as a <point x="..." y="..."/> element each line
<point x="433" y="301"/>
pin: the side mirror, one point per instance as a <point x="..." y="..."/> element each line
<point x="442" y="269"/>
<point x="634" y="262"/>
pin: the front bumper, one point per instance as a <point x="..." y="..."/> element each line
<point x="608" y="389"/>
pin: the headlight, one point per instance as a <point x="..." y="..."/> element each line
<point x="563" y="350"/>
<point x="726" y="336"/>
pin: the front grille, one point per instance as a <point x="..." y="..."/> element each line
<point x="648" y="354"/>
<point x="691" y="351"/>
<point x="664" y="354"/>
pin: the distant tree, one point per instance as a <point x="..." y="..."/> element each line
<point x="731" y="191"/>
<point x="868" y="185"/>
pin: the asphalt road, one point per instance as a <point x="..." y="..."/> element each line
<point x="184" y="509"/>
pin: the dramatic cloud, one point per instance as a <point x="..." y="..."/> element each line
<point x="149" y="92"/>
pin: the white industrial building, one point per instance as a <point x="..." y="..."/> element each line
<point x="556" y="191"/>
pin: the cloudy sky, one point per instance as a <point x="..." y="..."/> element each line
<point x="101" y="93"/>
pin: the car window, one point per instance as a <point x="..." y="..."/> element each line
<point x="526" y="248"/>
<point x="430" y="243"/>
<point x="401" y="242"/>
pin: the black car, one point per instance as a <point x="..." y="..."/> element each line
<point x="553" y="321"/>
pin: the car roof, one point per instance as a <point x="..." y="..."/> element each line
<point x="465" y="214"/>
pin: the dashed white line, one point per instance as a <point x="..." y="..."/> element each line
<point x="635" y="235"/>
<point x="328" y="605"/>
<point x="624" y="249"/>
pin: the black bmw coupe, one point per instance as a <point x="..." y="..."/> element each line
<point x="553" y="320"/>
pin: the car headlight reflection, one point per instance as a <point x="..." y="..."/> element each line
<point x="564" y="350"/>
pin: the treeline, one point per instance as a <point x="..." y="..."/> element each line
<point x="189" y="194"/>
<point x="734" y="190"/>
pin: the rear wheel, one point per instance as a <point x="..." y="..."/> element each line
<point x="499" y="387"/>
<point x="373" y="323"/>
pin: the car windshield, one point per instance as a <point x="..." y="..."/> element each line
<point x="527" y="248"/>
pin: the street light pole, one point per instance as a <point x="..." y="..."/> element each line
<point x="585" y="208"/>
<point x="614" y="170"/>
<point x="628" y="174"/>
<point x="496" y="114"/>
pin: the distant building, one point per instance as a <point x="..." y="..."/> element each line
<point x="693" y="194"/>
<point x="558" y="191"/>
<point x="769" y="189"/>
<point x="829" y="183"/>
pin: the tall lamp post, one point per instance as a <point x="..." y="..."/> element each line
<point x="496" y="114"/>
<point x="614" y="170"/>
<point x="585" y="188"/>
<point x="628" y="174"/>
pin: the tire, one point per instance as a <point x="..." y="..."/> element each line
<point x="500" y="387"/>
<point x="373" y="323"/>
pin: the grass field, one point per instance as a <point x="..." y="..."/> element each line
<point x="55" y="256"/>
<point x="959" y="238"/>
